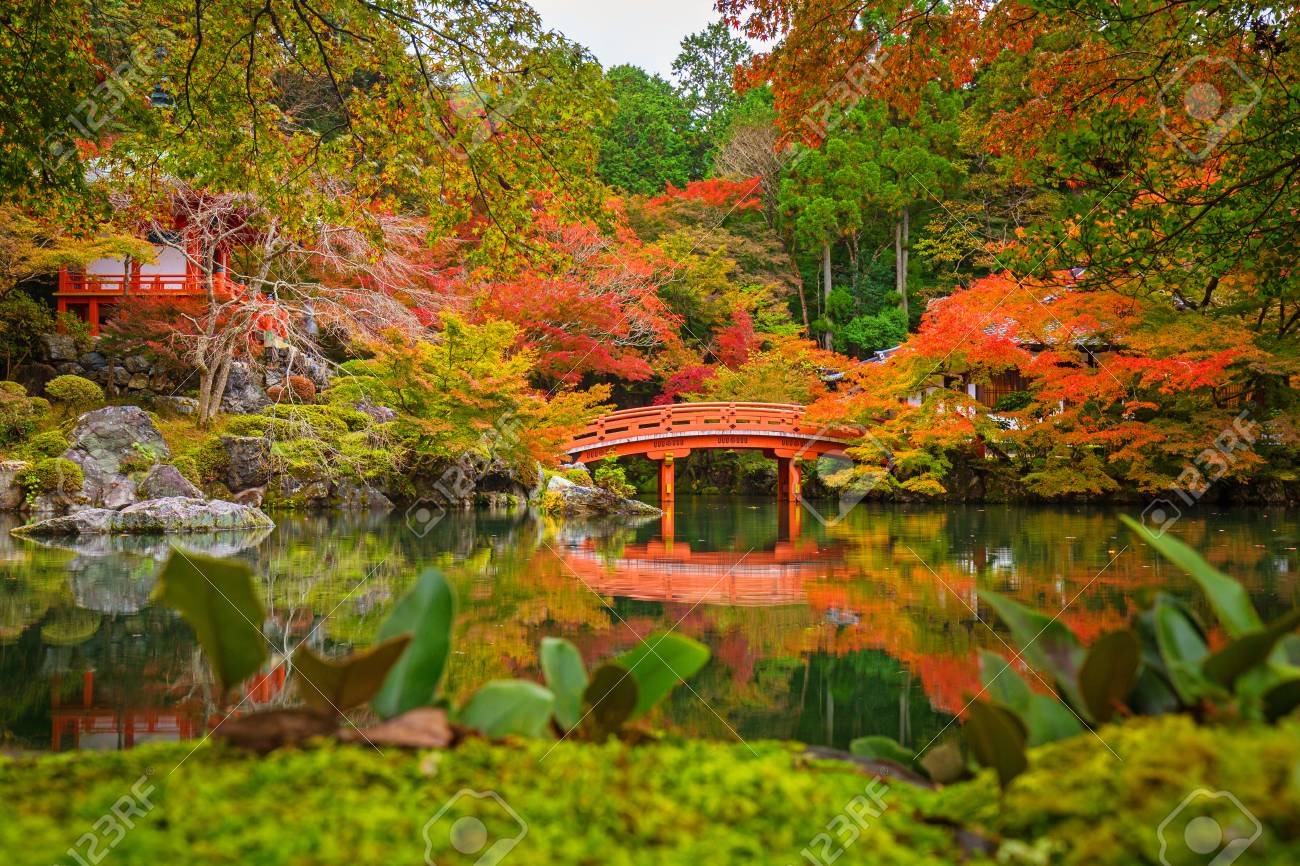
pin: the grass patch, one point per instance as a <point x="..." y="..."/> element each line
<point x="675" y="802"/>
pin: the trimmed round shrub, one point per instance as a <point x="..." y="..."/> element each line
<point x="53" y="475"/>
<point x="75" y="392"/>
<point x="51" y="443"/>
<point x="18" y="415"/>
<point x="13" y="388"/>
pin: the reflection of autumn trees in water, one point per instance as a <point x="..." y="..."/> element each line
<point x="875" y="636"/>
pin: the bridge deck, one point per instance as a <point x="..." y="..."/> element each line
<point x="677" y="429"/>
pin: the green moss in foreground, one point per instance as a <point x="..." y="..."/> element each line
<point x="676" y="803"/>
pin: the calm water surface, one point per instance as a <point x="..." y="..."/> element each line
<point x="819" y="633"/>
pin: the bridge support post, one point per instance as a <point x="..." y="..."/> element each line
<point x="788" y="480"/>
<point x="667" y="491"/>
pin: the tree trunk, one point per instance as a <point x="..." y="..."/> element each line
<point x="898" y="256"/>
<point x="904" y="249"/>
<point x="788" y="246"/>
<point x="212" y="384"/>
<point x="826" y="288"/>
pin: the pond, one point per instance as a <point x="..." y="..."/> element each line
<point x="820" y="633"/>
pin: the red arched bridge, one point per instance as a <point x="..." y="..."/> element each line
<point x="664" y="433"/>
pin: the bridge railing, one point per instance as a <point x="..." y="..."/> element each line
<point x="654" y="421"/>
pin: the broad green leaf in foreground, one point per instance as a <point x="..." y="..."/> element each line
<point x="1248" y="651"/>
<point x="335" y="685"/>
<point x="426" y="614"/>
<point x="1282" y="699"/>
<point x="1044" y="642"/>
<point x="608" y="701"/>
<point x="659" y="663"/>
<point x="1110" y="669"/>
<point x="509" y="707"/>
<point x="997" y="739"/>
<point x="1183" y="649"/>
<point x="566" y="676"/>
<point x="216" y="597"/>
<point x="1046" y="718"/>
<point x="1229" y="599"/>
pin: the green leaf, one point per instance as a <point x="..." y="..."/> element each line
<point x="335" y="685"/>
<point x="883" y="749"/>
<point x="1045" y="642"/>
<point x="1248" y="651"/>
<point x="1046" y="718"/>
<point x="1282" y="699"/>
<point x="505" y="708"/>
<point x="1229" y="598"/>
<point x="1109" y="672"/>
<point x="608" y="701"/>
<point x="425" y="613"/>
<point x="566" y="676"/>
<point x="1183" y="649"/>
<point x="1001" y="682"/>
<point x="997" y="738"/>
<point x="218" y="600"/>
<point x="1152" y="695"/>
<point x="659" y="663"/>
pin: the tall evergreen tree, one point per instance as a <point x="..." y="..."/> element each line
<point x="646" y="144"/>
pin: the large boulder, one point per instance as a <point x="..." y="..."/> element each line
<point x="358" y="496"/>
<point x="245" y="390"/>
<point x="172" y="514"/>
<point x="379" y="414"/>
<point x="176" y="405"/>
<point x="11" y="492"/>
<point x="58" y="347"/>
<point x="248" y="462"/>
<point x="107" y="437"/>
<point x="33" y="377"/>
<point x="165" y="480"/>
<point x="102" y="441"/>
<point x="574" y="500"/>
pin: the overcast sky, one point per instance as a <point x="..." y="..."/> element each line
<point x="645" y="34"/>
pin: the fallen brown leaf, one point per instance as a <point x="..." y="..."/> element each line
<point x="421" y="728"/>
<point x="273" y="729"/>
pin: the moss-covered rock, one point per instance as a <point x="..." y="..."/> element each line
<point x="670" y="803"/>
<point x="566" y="499"/>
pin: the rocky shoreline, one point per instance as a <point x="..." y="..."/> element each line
<point x="117" y="476"/>
<point x="168" y="515"/>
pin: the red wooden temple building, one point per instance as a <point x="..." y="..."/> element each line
<point x="91" y="293"/>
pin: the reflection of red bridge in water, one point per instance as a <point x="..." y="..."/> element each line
<point x="666" y="571"/>
<point x="663" y="433"/>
